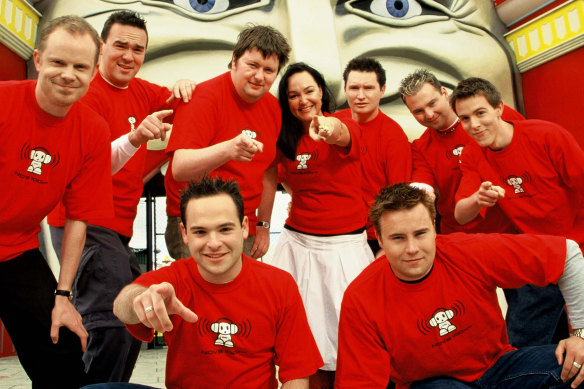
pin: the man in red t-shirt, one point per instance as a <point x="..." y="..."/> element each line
<point x="534" y="171"/>
<point x="229" y="129"/>
<point x="386" y="157"/>
<point x="135" y="110"/>
<point x="426" y="314"/>
<point x="228" y="319"/>
<point x="436" y="154"/>
<point x="54" y="148"/>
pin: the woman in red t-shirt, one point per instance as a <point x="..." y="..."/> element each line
<point x="323" y="243"/>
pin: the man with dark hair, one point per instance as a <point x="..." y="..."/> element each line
<point x="229" y="129"/>
<point x="386" y="157"/>
<point x="54" y="149"/>
<point x="534" y="171"/>
<point x="436" y="154"/>
<point x="228" y="319"/>
<point x="427" y="315"/>
<point x="136" y="110"/>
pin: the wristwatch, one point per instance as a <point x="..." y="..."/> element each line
<point x="266" y="225"/>
<point x="579" y="332"/>
<point x="66" y="293"/>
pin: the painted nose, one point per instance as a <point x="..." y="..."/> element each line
<point x="317" y="49"/>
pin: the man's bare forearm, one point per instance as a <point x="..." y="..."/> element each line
<point x="124" y="303"/>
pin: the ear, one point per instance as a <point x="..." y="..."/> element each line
<point x="183" y="231"/>
<point x="233" y="61"/>
<point x="444" y="92"/>
<point x="245" y="227"/>
<point x="36" y="59"/>
<point x="500" y="109"/>
<point x="383" y="90"/>
<point x="214" y="326"/>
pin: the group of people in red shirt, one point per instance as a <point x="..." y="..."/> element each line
<point x="425" y="308"/>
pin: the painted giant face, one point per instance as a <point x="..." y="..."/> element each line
<point x="194" y="39"/>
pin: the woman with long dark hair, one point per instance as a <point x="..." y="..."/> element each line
<point x="323" y="243"/>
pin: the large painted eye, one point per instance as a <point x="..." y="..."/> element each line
<point x="203" y="6"/>
<point x="205" y="9"/>
<point x="402" y="12"/>
<point x="402" y="9"/>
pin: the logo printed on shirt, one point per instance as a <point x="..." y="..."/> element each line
<point x="441" y="320"/>
<point x="225" y="332"/>
<point x="516" y="182"/>
<point x="302" y="161"/>
<point x="249" y="132"/>
<point x="132" y="121"/>
<point x="39" y="160"/>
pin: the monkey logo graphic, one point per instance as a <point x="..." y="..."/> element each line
<point x="224" y="329"/>
<point x="132" y="121"/>
<point x="441" y="319"/>
<point x="457" y="151"/>
<point x="515" y="182"/>
<point x="302" y="159"/>
<point x="38" y="156"/>
<point x="250" y="133"/>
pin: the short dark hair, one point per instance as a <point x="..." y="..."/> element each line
<point x="74" y="24"/>
<point x="396" y="198"/>
<point x="475" y="86"/>
<point x="125" y="18"/>
<point x="210" y="187"/>
<point x="365" y="64"/>
<point x="413" y="82"/>
<point x="292" y="129"/>
<point x="266" y="39"/>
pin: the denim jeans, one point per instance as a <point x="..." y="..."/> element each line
<point x="535" y="316"/>
<point x="530" y="367"/>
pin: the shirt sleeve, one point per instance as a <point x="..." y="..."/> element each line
<point x="82" y="201"/>
<point x="421" y="170"/>
<point x="363" y="359"/>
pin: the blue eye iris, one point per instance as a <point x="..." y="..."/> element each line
<point x="202" y="5"/>
<point x="397" y="8"/>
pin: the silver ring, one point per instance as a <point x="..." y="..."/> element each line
<point x="148" y="309"/>
<point x="576" y="365"/>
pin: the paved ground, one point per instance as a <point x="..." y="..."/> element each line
<point x="149" y="370"/>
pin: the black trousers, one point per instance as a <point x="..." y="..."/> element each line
<point x="26" y="286"/>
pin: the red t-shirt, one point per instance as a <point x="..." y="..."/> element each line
<point x="386" y="157"/>
<point x="216" y="114"/>
<point x="124" y="109"/>
<point x="542" y="172"/>
<point x="325" y="182"/>
<point x="245" y="327"/>
<point x="45" y="159"/>
<point x="448" y="324"/>
<point x="436" y="162"/>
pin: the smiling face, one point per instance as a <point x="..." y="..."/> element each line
<point x="431" y="107"/>
<point x="66" y="66"/>
<point x="304" y="97"/>
<point x="408" y="238"/>
<point x="363" y="95"/>
<point x="215" y="237"/>
<point x="482" y="122"/>
<point x="122" y="54"/>
<point x="253" y="74"/>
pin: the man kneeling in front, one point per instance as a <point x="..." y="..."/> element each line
<point x="426" y="314"/>
<point x="228" y="319"/>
